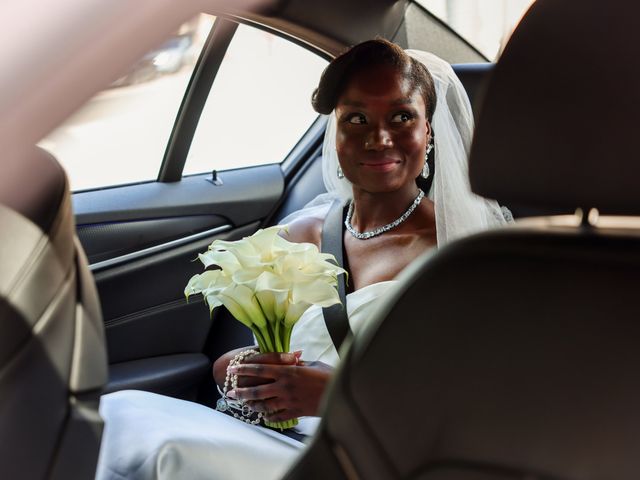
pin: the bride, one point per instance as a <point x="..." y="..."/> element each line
<point x="385" y="129"/>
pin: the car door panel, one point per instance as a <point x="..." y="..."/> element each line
<point x="245" y="195"/>
<point x="144" y="242"/>
<point x="148" y="318"/>
<point x="145" y="311"/>
<point x="174" y="375"/>
<point x="105" y="241"/>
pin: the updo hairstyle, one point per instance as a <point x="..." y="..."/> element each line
<point x="372" y="53"/>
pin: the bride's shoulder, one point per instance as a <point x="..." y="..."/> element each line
<point x="305" y="229"/>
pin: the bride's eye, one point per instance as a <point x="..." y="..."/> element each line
<point x="356" y="119"/>
<point x="401" y="117"/>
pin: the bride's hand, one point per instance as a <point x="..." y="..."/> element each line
<point x="294" y="391"/>
<point x="221" y="364"/>
<point x="267" y="359"/>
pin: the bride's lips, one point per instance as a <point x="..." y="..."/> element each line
<point x="381" y="165"/>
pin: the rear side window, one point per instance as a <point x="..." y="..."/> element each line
<point x="120" y="135"/>
<point x="259" y="105"/>
<point x="257" y="109"/>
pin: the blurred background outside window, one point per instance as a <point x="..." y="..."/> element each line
<point x="120" y="135"/>
<point x="258" y="108"/>
<point x="486" y="24"/>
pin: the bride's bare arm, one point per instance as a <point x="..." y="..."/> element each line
<point x="305" y="230"/>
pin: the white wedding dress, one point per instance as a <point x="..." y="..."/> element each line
<point x="150" y="436"/>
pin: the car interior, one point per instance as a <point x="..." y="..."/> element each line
<point x="156" y="340"/>
<point x="541" y="294"/>
<point x="518" y="345"/>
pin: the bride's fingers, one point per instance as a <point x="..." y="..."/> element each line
<point x="281" y="416"/>
<point x="261" y="392"/>
<point x="274" y="358"/>
<point x="260" y="370"/>
<point x="265" y="406"/>
<point x="246" y="381"/>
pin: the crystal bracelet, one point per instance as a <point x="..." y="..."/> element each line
<point x="225" y="403"/>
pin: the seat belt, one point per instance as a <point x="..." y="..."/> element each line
<point x="335" y="316"/>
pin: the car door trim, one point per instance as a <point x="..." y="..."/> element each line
<point x="122" y="259"/>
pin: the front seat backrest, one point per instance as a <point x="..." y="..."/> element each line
<point x="513" y="354"/>
<point x="52" y="353"/>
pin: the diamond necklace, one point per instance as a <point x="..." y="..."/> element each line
<point x="385" y="228"/>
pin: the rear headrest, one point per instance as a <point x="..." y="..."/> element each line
<point x="559" y="125"/>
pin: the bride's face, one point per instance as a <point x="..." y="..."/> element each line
<point x="382" y="130"/>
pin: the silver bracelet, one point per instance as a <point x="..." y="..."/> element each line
<point x="225" y="403"/>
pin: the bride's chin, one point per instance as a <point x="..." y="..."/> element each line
<point x="380" y="188"/>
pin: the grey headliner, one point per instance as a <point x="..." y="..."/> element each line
<point x="332" y="25"/>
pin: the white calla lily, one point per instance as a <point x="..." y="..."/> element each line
<point x="267" y="283"/>
<point x="225" y="259"/>
<point x="199" y="283"/>
<point x="248" y="276"/>
<point x="316" y="292"/>
<point x="294" y="312"/>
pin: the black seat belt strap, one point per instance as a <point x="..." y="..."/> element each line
<point x="335" y="316"/>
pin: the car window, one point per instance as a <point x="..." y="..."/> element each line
<point x="120" y="135"/>
<point x="486" y="24"/>
<point x="259" y="105"/>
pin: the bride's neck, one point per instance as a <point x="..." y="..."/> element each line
<point x="371" y="210"/>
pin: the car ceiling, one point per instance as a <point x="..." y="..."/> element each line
<point x="332" y="25"/>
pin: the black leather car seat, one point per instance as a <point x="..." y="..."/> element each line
<point x="52" y="353"/>
<point x="514" y="354"/>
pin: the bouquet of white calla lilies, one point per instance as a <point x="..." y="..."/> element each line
<point x="267" y="283"/>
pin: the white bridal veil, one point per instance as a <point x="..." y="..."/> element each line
<point x="459" y="212"/>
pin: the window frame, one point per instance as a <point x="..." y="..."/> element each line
<point x="194" y="99"/>
<point x="197" y="92"/>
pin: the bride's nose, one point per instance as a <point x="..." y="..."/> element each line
<point x="378" y="138"/>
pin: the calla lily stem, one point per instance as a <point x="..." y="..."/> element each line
<point x="282" y="425"/>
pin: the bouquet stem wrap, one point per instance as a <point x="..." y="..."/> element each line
<point x="267" y="283"/>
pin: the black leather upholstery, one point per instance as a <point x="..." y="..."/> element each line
<point x="474" y="77"/>
<point x="533" y="377"/>
<point x="52" y="354"/>
<point x="167" y="374"/>
<point x="513" y="354"/>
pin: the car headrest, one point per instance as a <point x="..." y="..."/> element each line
<point x="559" y="123"/>
<point x="33" y="184"/>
